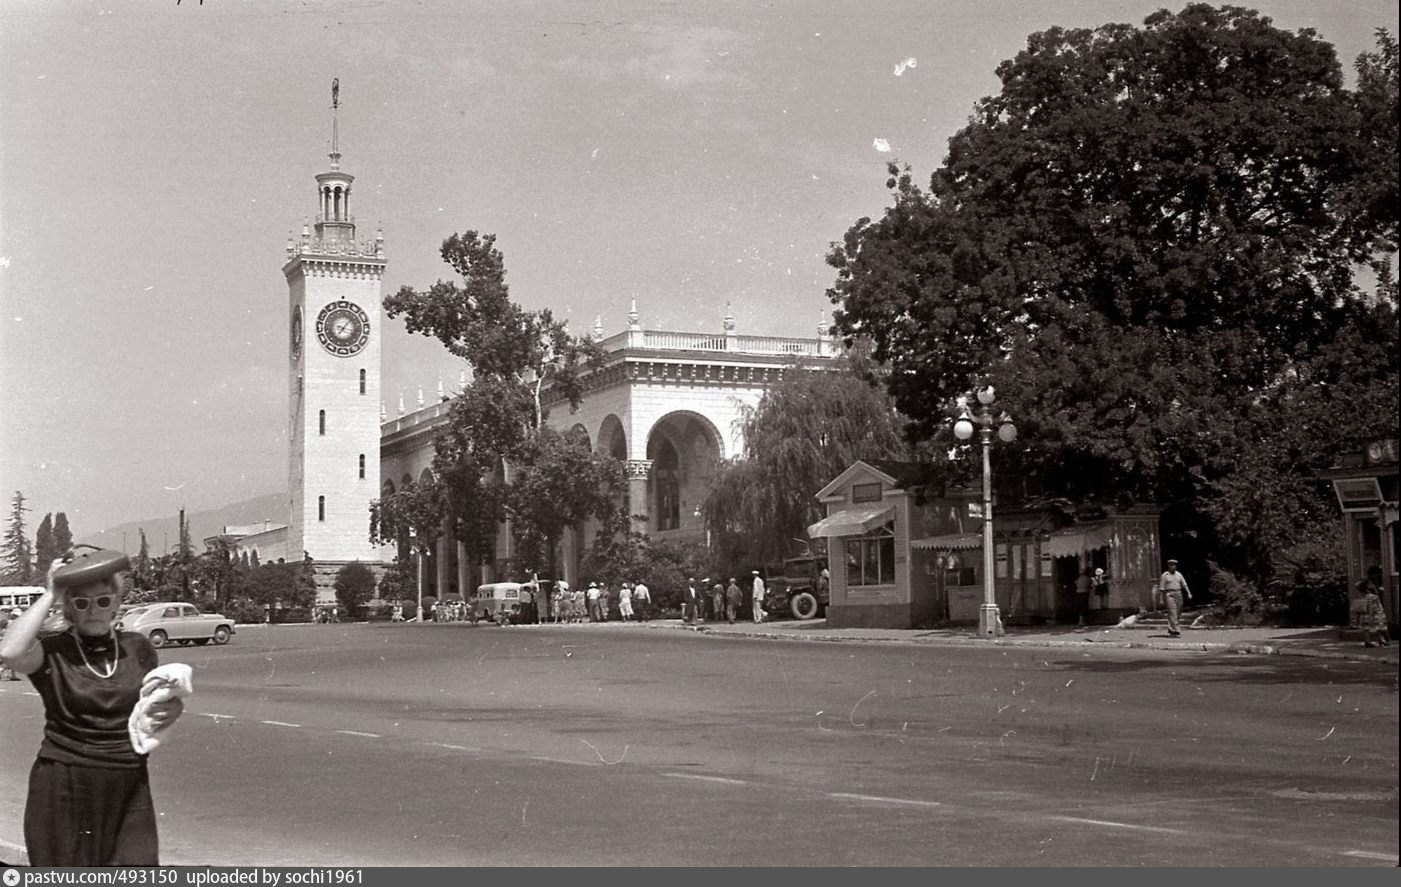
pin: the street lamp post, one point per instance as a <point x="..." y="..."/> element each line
<point x="989" y="621"/>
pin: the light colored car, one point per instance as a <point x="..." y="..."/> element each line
<point x="176" y="622"/>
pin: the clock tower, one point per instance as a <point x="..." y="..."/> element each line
<point x="334" y="334"/>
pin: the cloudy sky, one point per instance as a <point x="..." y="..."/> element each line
<point x="155" y="155"/>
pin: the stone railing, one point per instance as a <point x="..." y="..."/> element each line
<point x="425" y="415"/>
<point x="306" y="246"/>
<point x="660" y="340"/>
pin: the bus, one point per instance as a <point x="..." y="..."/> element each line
<point x="21" y="596"/>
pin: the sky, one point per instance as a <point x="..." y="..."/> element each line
<point x="155" y="155"/>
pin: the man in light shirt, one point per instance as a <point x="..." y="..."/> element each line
<point x="1173" y="585"/>
<point x="758" y="597"/>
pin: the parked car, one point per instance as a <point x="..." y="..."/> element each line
<point x="497" y="602"/>
<point x="176" y="622"/>
<point x="802" y="590"/>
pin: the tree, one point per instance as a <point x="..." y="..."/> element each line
<point x="45" y="549"/>
<point x="1143" y="242"/>
<point x="18" y="555"/>
<point x="807" y="429"/>
<point x="560" y="482"/>
<point x="490" y="449"/>
<point x="63" y="537"/>
<point x="355" y="584"/>
<point x="399" y="582"/>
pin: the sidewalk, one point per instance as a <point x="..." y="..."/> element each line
<point x="1325" y="643"/>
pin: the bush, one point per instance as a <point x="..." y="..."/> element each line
<point x="1235" y="602"/>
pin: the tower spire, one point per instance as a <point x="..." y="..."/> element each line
<point x="335" y="123"/>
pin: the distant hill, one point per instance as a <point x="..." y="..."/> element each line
<point x="165" y="530"/>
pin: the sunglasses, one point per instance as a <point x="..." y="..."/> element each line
<point x="101" y="602"/>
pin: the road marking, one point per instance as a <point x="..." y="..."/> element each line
<point x="279" y="724"/>
<point x="453" y="747"/>
<point x="358" y="733"/>
<point x="215" y="716"/>
<point x="704" y="778"/>
<point x="877" y="799"/>
<point x="1128" y="825"/>
<point x="1368" y="854"/>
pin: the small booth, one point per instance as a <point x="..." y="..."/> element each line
<point x="1368" y="487"/>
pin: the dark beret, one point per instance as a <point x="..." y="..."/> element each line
<point x="91" y="566"/>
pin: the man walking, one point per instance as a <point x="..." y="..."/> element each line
<point x="758" y="596"/>
<point x="641" y="601"/>
<point x="592" y="599"/>
<point x="734" y="599"/>
<point x="1173" y="585"/>
<point x="689" y="601"/>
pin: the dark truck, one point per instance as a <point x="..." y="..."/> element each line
<point x="801" y="589"/>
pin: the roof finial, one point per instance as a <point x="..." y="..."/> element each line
<point x="632" y="316"/>
<point x="729" y="319"/>
<point x="597" y="327"/>
<point x="335" y="123"/>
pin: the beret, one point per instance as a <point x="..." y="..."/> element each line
<point x="91" y="566"/>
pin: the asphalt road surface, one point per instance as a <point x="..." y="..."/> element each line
<point x="622" y="745"/>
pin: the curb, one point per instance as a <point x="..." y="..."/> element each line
<point x="1257" y="648"/>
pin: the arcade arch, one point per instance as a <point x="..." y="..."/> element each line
<point x="685" y="452"/>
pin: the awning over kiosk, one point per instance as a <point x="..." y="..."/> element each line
<point x="949" y="542"/>
<point x="1071" y="541"/>
<point x="853" y="521"/>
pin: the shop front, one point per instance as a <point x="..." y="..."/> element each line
<point x="1368" y="487"/>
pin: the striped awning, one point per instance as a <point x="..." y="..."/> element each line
<point x="949" y="542"/>
<point x="853" y="521"/>
<point x="1071" y="541"/>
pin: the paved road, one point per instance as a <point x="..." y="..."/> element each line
<point x="618" y="745"/>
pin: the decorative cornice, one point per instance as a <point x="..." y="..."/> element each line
<point x="638" y="469"/>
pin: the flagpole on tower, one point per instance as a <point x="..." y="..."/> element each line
<point x="335" y="123"/>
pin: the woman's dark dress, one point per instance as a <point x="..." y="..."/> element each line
<point x="89" y="795"/>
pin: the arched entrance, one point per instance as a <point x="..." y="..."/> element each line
<point x="684" y="449"/>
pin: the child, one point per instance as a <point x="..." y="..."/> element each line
<point x="1373" y="616"/>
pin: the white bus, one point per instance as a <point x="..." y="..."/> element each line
<point x="21" y="596"/>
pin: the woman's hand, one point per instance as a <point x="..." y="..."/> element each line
<point x="163" y="714"/>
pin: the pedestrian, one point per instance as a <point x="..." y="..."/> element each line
<point x="734" y="599"/>
<point x="758" y="602"/>
<point x="1371" y="615"/>
<point x="717" y="601"/>
<point x="592" y="596"/>
<point x="398" y="614"/>
<point x="690" y="599"/>
<point x="1173" y="585"/>
<point x="625" y="603"/>
<point x="642" y="601"/>
<point x="1082" y="595"/>
<point x="702" y="598"/>
<point x="89" y="801"/>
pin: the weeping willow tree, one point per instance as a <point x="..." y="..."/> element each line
<point x="805" y="431"/>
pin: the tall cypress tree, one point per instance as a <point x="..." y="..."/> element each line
<point x="45" y="548"/>
<point x="63" y="537"/>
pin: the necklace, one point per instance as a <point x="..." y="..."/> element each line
<point x="116" y="655"/>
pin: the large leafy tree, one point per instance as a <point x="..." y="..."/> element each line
<point x="355" y="584"/>
<point x="1147" y="243"/>
<point x="807" y="429"/>
<point x="18" y="553"/>
<point x="491" y="453"/>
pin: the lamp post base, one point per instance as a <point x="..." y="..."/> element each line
<point x="989" y="621"/>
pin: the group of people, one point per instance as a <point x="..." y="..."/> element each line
<point x="725" y="601"/>
<point x="595" y="603"/>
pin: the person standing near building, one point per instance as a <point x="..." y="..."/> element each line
<point x="758" y="596"/>
<point x="734" y="599"/>
<point x="690" y="599"/>
<point x="592" y="597"/>
<point x="89" y="801"/>
<point x="717" y="601"/>
<point x="1173" y="585"/>
<point x="1371" y="616"/>
<point x="1082" y="595"/>
<point x="625" y="603"/>
<point x="642" y="601"/>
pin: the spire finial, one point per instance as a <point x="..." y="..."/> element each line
<point x="335" y="123"/>
<point x="729" y="319"/>
<point x="597" y="327"/>
<point x="632" y="315"/>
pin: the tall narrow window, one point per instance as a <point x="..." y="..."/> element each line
<point x="362" y="381"/>
<point x="362" y="466"/>
<point x="321" y="419"/>
<point x="320" y="507"/>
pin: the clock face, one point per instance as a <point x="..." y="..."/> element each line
<point x="343" y="328"/>
<point x="296" y="332"/>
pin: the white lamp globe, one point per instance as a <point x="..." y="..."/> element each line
<point x="986" y="395"/>
<point x="1007" y="433"/>
<point x="963" y="429"/>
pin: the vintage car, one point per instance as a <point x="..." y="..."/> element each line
<point x="798" y="587"/>
<point x="498" y="602"/>
<point x="176" y="622"/>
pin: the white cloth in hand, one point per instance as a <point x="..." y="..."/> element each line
<point x="161" y="684"/>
